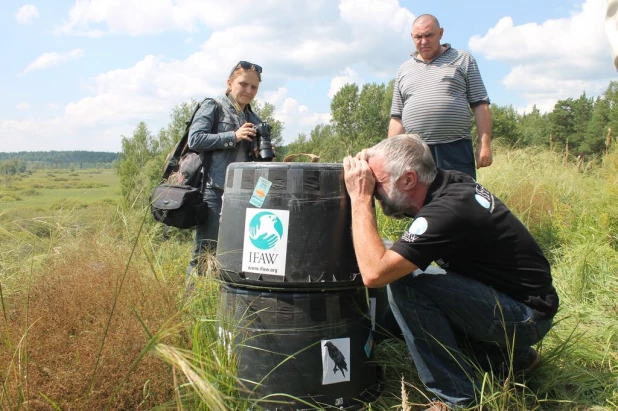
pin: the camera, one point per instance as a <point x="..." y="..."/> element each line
<point x="262" y="146"/>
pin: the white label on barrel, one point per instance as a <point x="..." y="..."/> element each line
<point x="336" y="366"/>
<point x="265" y="244"/>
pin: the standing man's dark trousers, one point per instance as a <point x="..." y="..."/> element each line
<point x="458" y="155"/>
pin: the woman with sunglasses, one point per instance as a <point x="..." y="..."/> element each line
<point x="227" y="141"/>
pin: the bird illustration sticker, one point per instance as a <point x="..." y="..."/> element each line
<point x="335" y="360"/>
<point x="265" y="243"/>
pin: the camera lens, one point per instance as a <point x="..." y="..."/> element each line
<point x="265" y="148"/>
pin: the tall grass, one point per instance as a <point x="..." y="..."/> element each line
<point x="57" y="295"/>
<point x="574" y="216"/>
<point x="69" y="272"/>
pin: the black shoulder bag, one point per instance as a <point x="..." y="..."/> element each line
<point x="178" y="200"/>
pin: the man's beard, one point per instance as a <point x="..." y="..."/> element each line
<point x="396" y="204"/>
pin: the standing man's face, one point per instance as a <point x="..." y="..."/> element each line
<point x="427" y="35"/>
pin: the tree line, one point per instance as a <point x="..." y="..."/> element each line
<point x="360" y="118"/>
<point x="581" y="126"/>
<point x="62" y="159"/>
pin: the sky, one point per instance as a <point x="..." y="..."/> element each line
<point x="81" y="74"/>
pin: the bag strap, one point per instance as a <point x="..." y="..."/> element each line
<point x="207" y="155"/>
<point x="182" y="145"/>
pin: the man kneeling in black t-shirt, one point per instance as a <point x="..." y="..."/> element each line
<point x="492" y="293"/>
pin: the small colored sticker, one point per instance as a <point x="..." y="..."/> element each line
<point x="369" y="345"/>
<point x="259" y="193"/>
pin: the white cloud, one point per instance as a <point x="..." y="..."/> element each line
<point x="309" y="37"/>
<point x="275" y="97"/>
<point x="53" y="106"/>
<point x="26" y="14"/>
<point x="310" y="32"/>
<point x="298" y="41"/>
<point x="289" y="39"/>
<point x="348" y="76"/>
<point x="121" y="98"/>
<point x="59" y="134"/>
<point x="47" y="60"/>
<point x="297" y="118"/>
<point x="95" y="18"/>
<point x="554" y="60"/>
<point x="22" y="106"/>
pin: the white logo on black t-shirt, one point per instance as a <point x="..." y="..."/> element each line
<point x="482" y="200"/>
<point x="485" y="198"/>
<point x="418" y="227"/>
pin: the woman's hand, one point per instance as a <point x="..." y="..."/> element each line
<point x="245" y="132"/>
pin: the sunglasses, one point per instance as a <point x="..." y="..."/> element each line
<point x="247" y="66"/>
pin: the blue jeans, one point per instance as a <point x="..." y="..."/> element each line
<point x="206" y="234"/>
<point x="447" y="319"/>
<point x="458" y="155"/>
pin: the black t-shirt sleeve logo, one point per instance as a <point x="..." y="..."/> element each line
<point x="485" y="198"/>
<point x="417" y="228"/>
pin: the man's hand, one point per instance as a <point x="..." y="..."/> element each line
<point x="484" y="157"/>
<point x="359" y="180"/>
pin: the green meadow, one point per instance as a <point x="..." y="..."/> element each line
<point x="94" y="313"/>
<point x="45" y="188"/>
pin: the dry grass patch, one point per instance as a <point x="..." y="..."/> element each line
<point x="56" y="330"/>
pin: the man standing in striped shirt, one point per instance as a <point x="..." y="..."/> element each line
<point x="432" y="97"/>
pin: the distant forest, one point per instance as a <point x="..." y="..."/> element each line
<point x="62" y="159"/>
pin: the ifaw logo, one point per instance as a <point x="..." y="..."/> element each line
<point x="265" y="230"/>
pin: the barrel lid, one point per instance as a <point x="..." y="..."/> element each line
<point x="303" y="166"/>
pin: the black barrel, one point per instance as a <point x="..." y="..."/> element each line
<point x="287" y="226"/>
<point x="385" y="323"/>
<point x="296" y="348"/>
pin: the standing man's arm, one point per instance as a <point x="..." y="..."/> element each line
<point x="482" y="117"/>
<point x="395" y="127"/>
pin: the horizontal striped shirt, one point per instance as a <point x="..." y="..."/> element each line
<point x="433" y="99"/>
